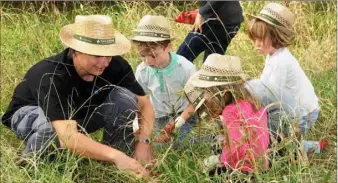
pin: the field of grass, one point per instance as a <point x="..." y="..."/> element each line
<point x="29" y="33"/>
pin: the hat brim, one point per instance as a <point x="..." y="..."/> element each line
<point x="121" y="46"/>
<point x="150" y="39"/>
<point x="286" y="30"/>
<point x="195" y="81"/>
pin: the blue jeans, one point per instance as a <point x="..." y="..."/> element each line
<point x="280" y="105"/>
<point x="31" y="125"/>
<point x="183" y="131"/>
<point x="115" y="116"/>
<point x="214" y="38"/>
<point x="306" y="122"/>
<point x="280" y="115"/>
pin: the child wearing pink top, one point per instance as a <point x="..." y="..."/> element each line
<point x="248" y="137"/>
<point x="219" y="85"/>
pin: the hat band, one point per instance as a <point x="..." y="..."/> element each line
<point x="271" y="19"/>
<point x="152" y="34"/>
<point x="93" y="40"/>
<point x="219" y="78"/>
<point x="198" y="99"/>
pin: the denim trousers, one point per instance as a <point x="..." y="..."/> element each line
<point x="306" y="122"/>
<point x="115" y="116"/>
<point x="215" y="38"/>
<point x="284" y="110"/>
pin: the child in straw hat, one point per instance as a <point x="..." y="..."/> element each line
<point x="244" y="120"/>
<point x="164" y="74"/>
<point x="271" y="33"/>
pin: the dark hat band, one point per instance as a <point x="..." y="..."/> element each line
<point x="152" y="34"/>
<point x="93" y="40"/>
<point x="198" y="99"/>
<point x="219" y="78"/>
<point x="271" y="19"/>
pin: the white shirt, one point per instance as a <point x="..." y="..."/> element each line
<point x="170" y="98"/>
<point x="283" y="70"/>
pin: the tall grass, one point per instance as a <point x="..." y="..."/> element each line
<point x="30" y="33"/>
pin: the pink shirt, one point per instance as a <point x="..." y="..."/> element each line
<point x="247" y="137"/>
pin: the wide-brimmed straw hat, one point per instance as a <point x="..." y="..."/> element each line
<point x="152" y="29"/>
<point x="219" y="70"/>
<point x="278" y="16"/>
<point x="94" y="35"/>
<point x="195" y="95"/>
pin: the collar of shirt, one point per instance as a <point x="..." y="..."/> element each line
<point x="168" y="71"/>
<point x="276" y="53"/>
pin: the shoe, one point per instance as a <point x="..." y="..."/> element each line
<point x="211" y="162"/>
<point x="316" y="146"/>
<point x="323" y="145"/>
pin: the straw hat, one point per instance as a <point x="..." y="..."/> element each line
<point x="152" y="29"/>
<point x="278" y="16"/>
<point x="219" y="70"/>
<point x="195" y="95"/>
<point x="94" y="35"/>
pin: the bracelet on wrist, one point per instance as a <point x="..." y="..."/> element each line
<point x="143" y="140"/>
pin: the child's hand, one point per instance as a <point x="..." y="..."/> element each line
<point x="166" y="132"/>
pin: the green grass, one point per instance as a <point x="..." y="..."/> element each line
<point x="29" y="33"/>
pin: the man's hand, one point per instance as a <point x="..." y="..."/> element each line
<point x="87" y="147"/>
<point x="198" y="23"/>
<point x="143" y="152"/>
<point x="124" y="162"/>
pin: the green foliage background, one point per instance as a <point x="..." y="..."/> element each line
<point x="29" y="33"/>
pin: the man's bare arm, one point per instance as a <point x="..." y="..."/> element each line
<point x="147" y="119"/>
<point x="143" y="152"/>
<point x="77" y="142"/>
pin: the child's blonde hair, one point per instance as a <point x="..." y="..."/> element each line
<point x="258" y="29"/>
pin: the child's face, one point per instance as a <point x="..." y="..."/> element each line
<point x="212" y="105"/>
<point x="264" y="46"/>
<point x="155" y="56"/>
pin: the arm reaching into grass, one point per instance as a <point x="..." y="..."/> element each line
<point x="77" y="142"/>
<point x="143" y="151"/>
<point x="186" y="114"/>
<point x="174" y="125"/>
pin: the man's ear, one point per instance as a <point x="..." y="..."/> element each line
<point x="73" y="53"/>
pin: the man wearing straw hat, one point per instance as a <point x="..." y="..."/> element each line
<point x="86" y="87"/>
